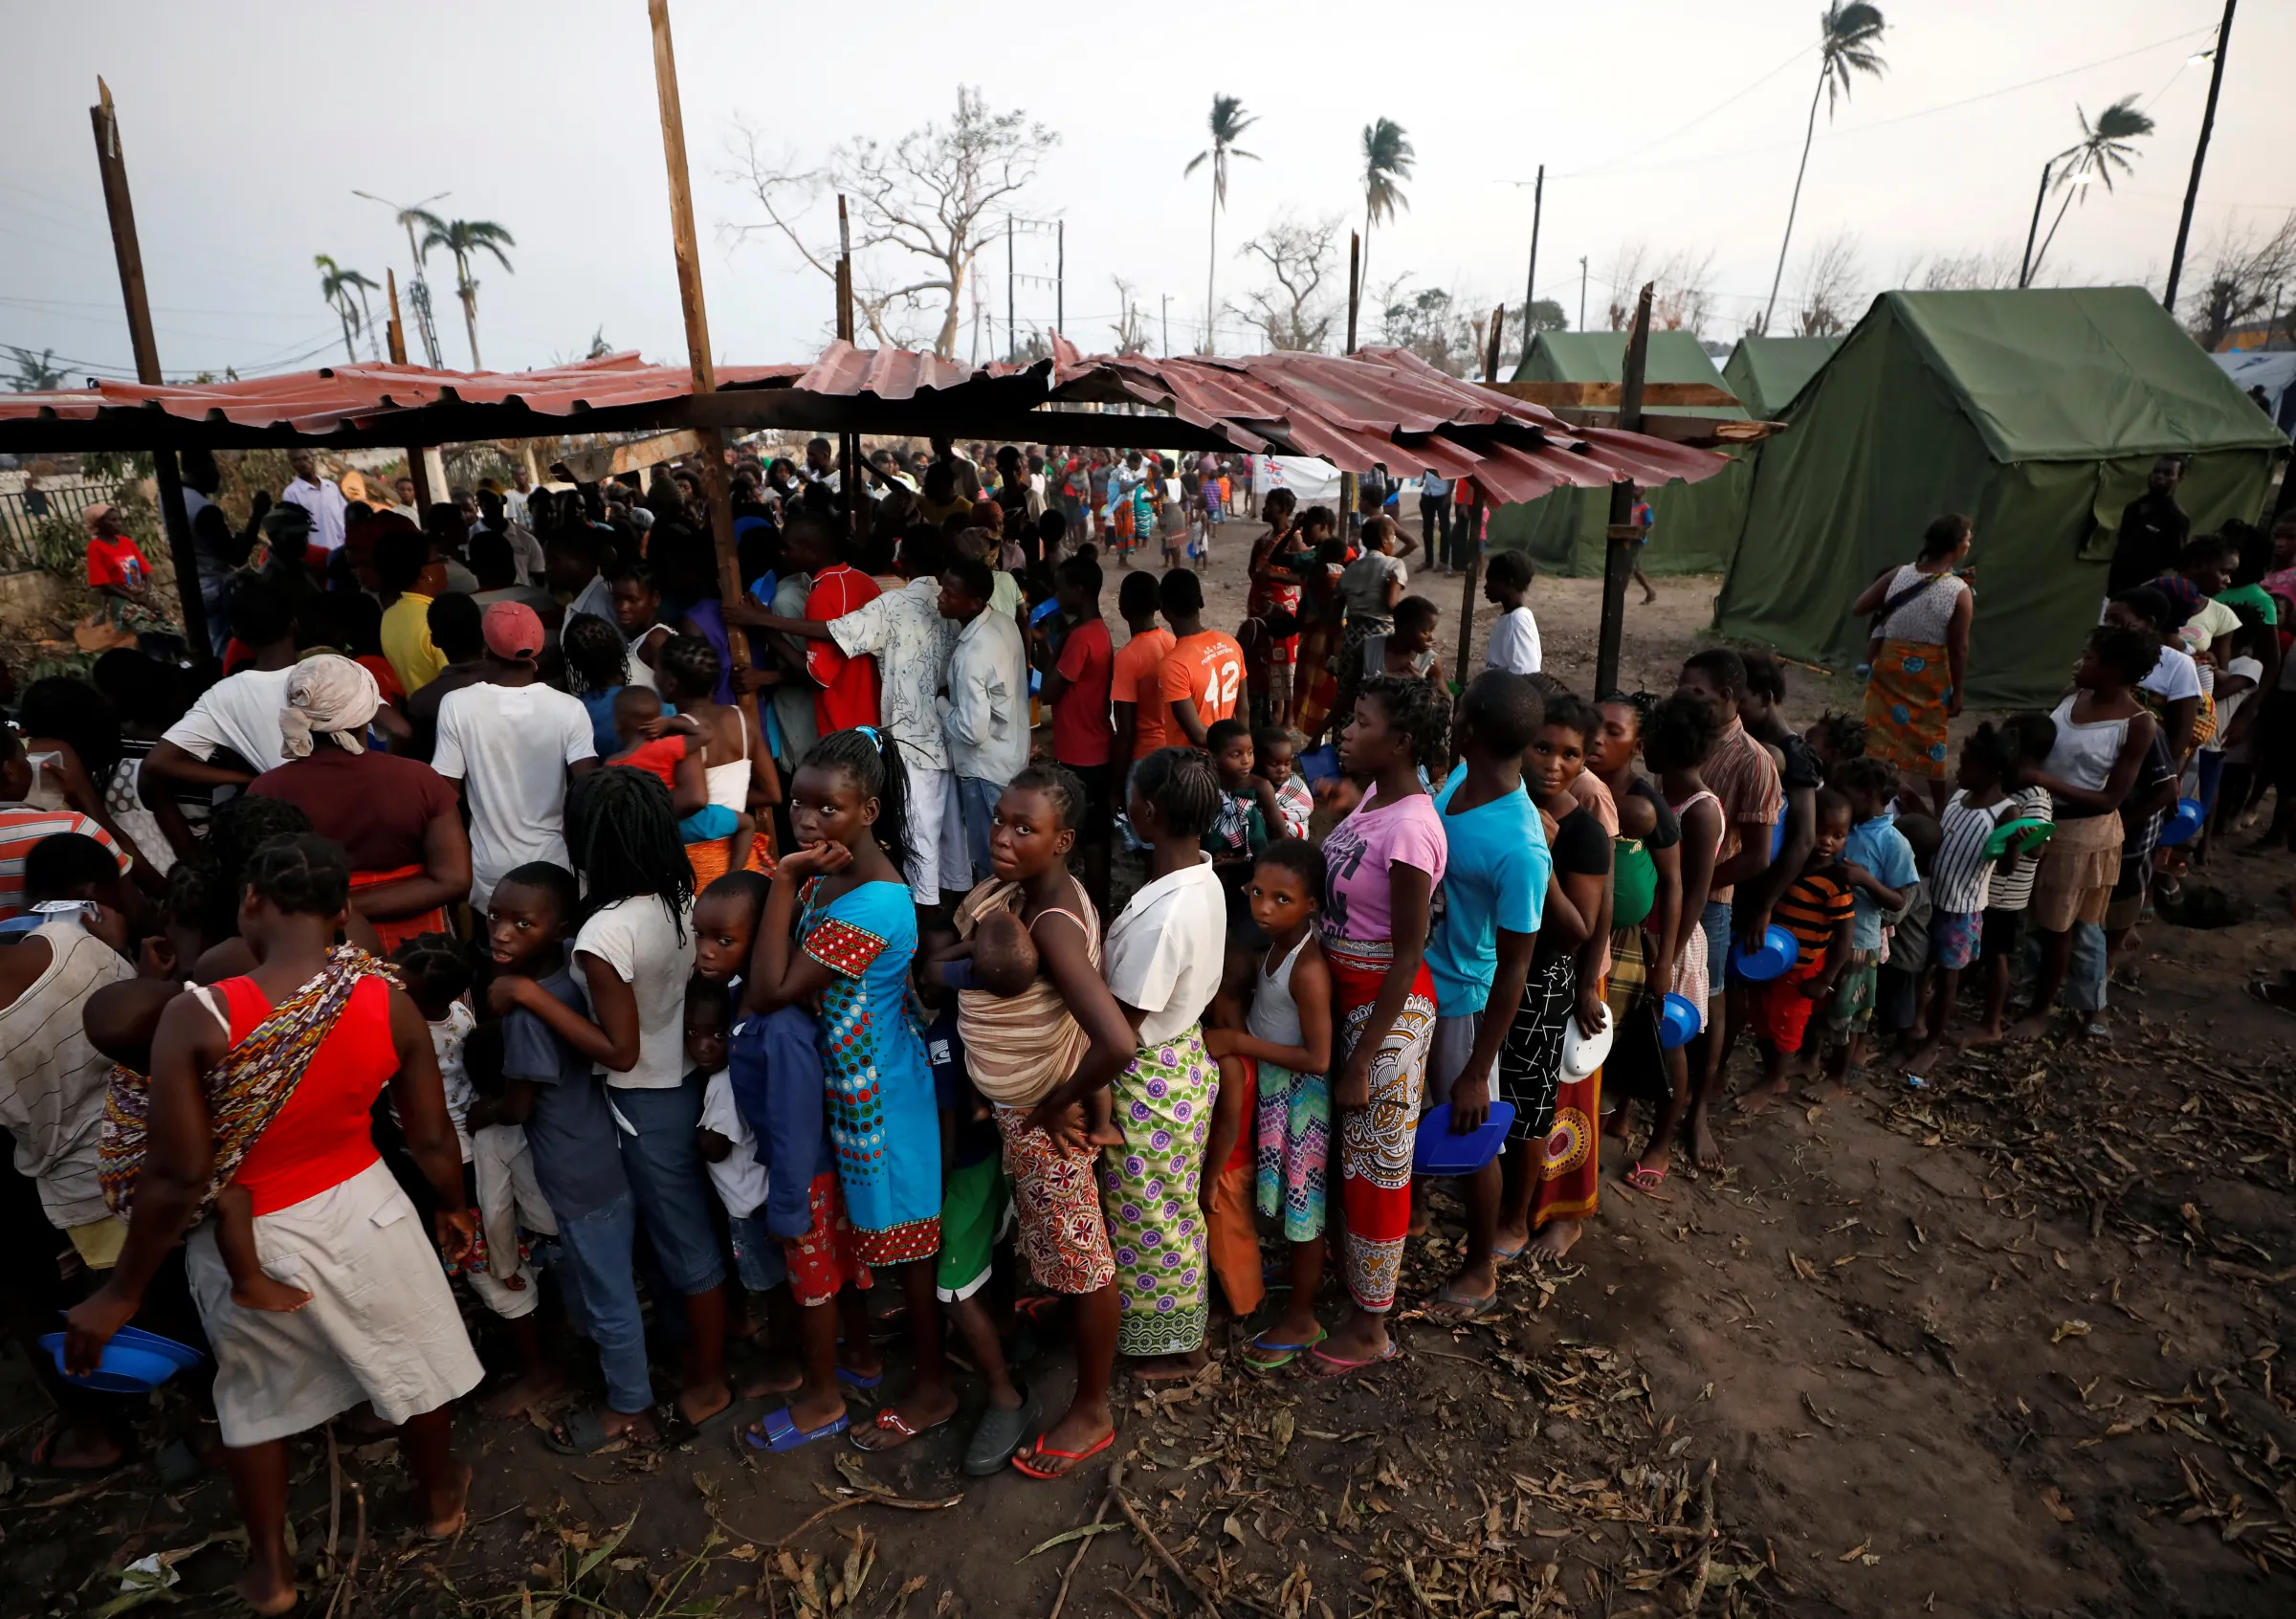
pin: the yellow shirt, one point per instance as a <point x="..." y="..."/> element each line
<point x="406" y="642"/>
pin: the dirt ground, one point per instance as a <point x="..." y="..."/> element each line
<point x="2006" y="1343"/>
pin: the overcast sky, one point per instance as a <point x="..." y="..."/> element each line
<point x="248" y="125"/>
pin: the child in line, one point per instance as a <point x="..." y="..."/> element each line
<point x="1879" y="863"/>
<point x="673" y="752"/>
<point x="1248" y="809"/>
<point x="735" y="758"/>
<point x="2009" y="893"/>
<point x="1274" y="1056"/>
<point x="1961" y="879"/>
<point x="553" y="1090"/>
<point x="510" y="1206"/>
<point x="855" y="932"/>
<point x="727" y="1143"/>
<point x="1274" y="760"/>
<point x="1900" y="974"/>
<point x="1818" y="910"/>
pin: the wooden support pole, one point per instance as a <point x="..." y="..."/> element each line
<point x="1472" y="575"/>
<point x="1355" y="297"/>
<point x="112" y="162"/>
<point x="715" y="483"/>
<point x="1538" y="208"/>
<point x="1618" y="547"/>
<point x="396" y="331"/>
<point x="849" y="476"/>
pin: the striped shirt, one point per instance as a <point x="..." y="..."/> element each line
<point x="53" y="1079"/>
<point x="1960" y="877"/>
<point x="22" y="827"/>
<point x="1812" y="909"/>
<point x="1745" y="779"/>
<point x="2012" y="886"/>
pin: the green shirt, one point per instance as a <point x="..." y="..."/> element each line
<point x="2251" y="596"/>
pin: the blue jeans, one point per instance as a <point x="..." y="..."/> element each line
<point x="758" y="1257"/>
<point x="977" y="799"/>
<point x="668" y="1181"/>
<point x="2085" y="976"/>
<point x="602" y="1298"/>
<point x="1716" y="919"/>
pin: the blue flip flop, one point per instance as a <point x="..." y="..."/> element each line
<point x="853" y="1379"/>
<point x="781" y="1433"/>
<point x="1288" y="1352"/>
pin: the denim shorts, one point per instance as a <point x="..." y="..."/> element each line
<point x="669" y="1182"/>
<point x="758" y="1258"/>
<point x="1716" y="919"/>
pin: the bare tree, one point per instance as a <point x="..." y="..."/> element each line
<point x="1977" y="269"/>
<point x="926" y="197"/>
<point x="2241" y="278"/>
<point x="1684" y="298"/>
<point x="1294" y="313"/>
<point x="1429" y="324"/>
<point x="1624" y="276"/>
<point x="1132" y="329"/>
<point x="1832" y="285"/>
<point x="1546" y="316"/>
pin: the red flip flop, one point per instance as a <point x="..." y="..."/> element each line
<point x="1020" y="1460"/>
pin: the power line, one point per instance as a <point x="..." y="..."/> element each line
<point x="1800" y="53"/>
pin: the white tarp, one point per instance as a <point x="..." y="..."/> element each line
<point x="2274" y="371"/>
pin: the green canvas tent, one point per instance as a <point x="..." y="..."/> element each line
<point x="1767" y="372"/>
<point x="2038" y="413"/>
<point x="1691" y="525"/>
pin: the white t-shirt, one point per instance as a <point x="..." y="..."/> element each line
<point x="510" y="747"/>
<point x="2229" y="706"/>
<point x="2174" y="676"/>
<point x="655" y="956"/>
<point x="1514" y="643"/>
<point x="740" y="1179"/>
<point x="1164" y="953"/>
<point x="447" y="1036"/>
<point x="240" y="712"/>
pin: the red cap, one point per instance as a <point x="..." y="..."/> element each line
<point x="512" y="629"/>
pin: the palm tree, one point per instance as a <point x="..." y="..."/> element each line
<point x="1229" y="120"/>
<point x="466" y="239"/>
<point x="2103" y="146"/>
<point x="339" y="287"/>
<point x="1849" y="37"/>
<point x="1387" y="159"/>
<point x="34" y="372"/>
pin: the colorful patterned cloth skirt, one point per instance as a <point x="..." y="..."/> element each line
<point x="1375" y="1142"/>
<point x="1294" y="1151"/>
<point x="1062" y="1233"/>
<point x="1905" y="707"/>
<point x="1570" y="1167"/>
<point x="1148" y="1187"/>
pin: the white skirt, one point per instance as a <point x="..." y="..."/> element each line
<point x="381" y="1326"/>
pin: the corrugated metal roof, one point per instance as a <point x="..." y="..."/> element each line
<point x="1381" y="405"/>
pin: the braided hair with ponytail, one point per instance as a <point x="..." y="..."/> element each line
<point x="873" y="760"/>
<point x="622" y="834"/>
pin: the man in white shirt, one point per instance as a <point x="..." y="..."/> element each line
<point x="239" y="714"/>
<point x="322" y="499"/>
<point x="987" y="721"/>
<point x="512" y="742"/>
<point x="1435" y="520"/>
<point x="1515" y="634"/>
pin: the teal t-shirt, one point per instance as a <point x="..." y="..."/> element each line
<point x="1495" y="876"/>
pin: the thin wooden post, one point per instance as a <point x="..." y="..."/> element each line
<point x="1617" y="551"/>
<point x="1060" y="274"/>
<point x="1355" y="294"/>
<point x="1471" y="574"/>
<point x="396" y="331"/>
<point x="715" y="483"/>
<point x="112" y="162"/>
<point x="1539" y="207"/>
<point x="2192" y="187"/>
<point x="848" y="325"/>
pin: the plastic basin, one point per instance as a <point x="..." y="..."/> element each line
<point x="1439" y="1152"/>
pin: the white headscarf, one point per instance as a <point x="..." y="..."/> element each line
<point x="330" y="697"/>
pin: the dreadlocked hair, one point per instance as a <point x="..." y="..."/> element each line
<point x="1184" y="786"/>
<point x="875" y="763"/>
<point x="597" y="656"/>
<point x="434" y="969"/>
<point x="303" y="875"/>
<point x="1059" y="784"/>
<point x="1418" y="707"/>
<point x="622" y="834"/>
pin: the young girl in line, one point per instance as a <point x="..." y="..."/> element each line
<point x="1287" y="1036"/>
<point x="1960" y="880"/>
<point x="1677" y="739"/>
<point x="842" y="897"/>
<point x="1552" y="1137"/>
<point x="1382" y="864"/>
<point x="1645" y="914"/>
<point x="633" y="954"/>
<point x="1163" y="964"/>
<point x="1060" y="1024"/>
<point x="736" y="760"/>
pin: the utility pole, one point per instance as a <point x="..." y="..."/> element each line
<point x="848" y="444"/>
<point x="1167" y="325"/>
<point x="715" y="483"/>
<point x="1538" y="203"/>
<point x="1472" y="545"/>
<point x="1012" y="325"/>
<point x="2025" y="270"/>
<point x="121" y="207"/>
<point x="2191" y="188"/>
<point x="1355" y="297"/>
<point x="417" y="466"/>
<point x="1617" y="554"/>
<point x="1583" y="293"/>
<point x="1060" y="274"/>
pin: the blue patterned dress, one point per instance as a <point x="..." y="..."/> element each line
<point x="883" y="1124"/>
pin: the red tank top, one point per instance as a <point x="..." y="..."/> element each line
<point x="322" y="1137"/>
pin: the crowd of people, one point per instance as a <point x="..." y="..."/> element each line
<point x="516" y="915"/>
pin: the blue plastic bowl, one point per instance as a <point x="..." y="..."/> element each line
<point x="1321" y="763"/>
<point x="1439" y="1152"/>
<point x="1678" y="1025"/>
<point x="135" y="1361"/>
<point x="2185" y="824"/>
<point x="1778" y="953"/>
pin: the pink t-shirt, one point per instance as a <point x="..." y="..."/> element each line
<point x="1359" y="850"/>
